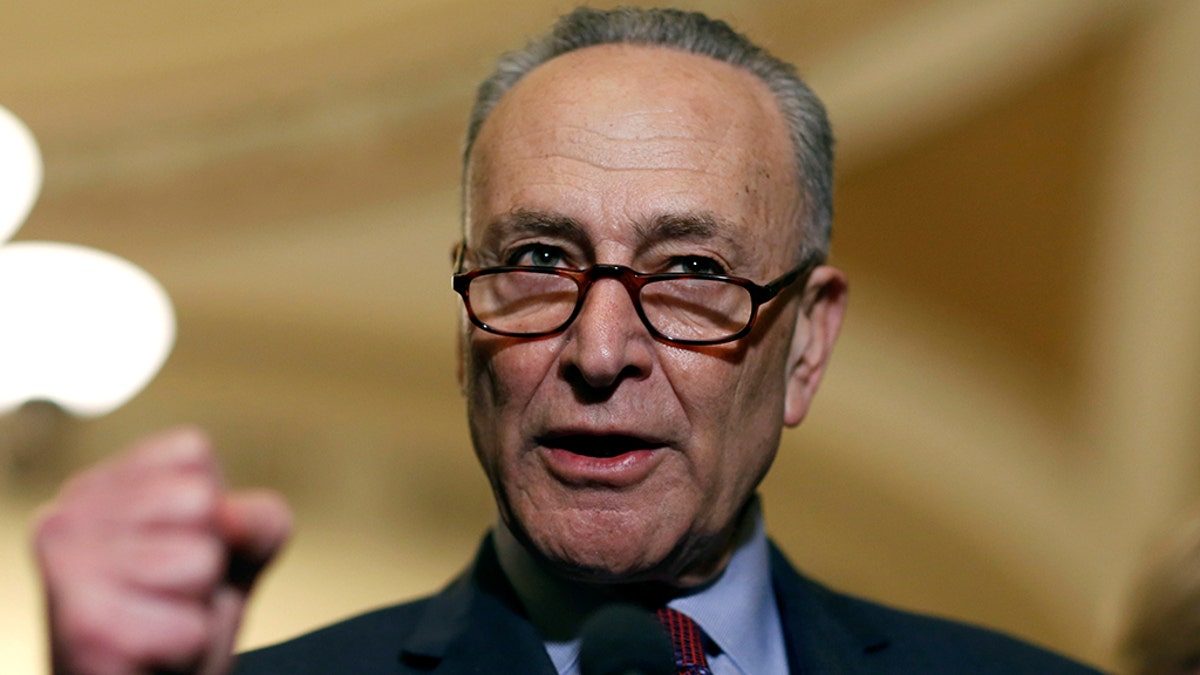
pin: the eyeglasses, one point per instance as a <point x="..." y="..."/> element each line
<point x="683" y="309"/>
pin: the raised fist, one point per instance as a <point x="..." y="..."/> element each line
<point x="147" y="560"/>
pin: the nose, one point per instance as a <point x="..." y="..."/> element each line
<point x="607" y="343"/>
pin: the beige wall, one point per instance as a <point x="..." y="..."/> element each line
<point x="1010" y="414"/>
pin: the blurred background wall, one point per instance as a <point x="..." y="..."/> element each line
<point x="1011" y="411"/>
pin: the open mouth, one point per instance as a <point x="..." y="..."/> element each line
<point x="598" y="446"/>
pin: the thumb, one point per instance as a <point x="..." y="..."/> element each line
<point x="255" y="525"/>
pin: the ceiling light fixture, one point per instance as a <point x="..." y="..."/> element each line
<point x="79" y="327"/>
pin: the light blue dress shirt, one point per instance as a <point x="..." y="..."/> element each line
<point x="737" y="611"/>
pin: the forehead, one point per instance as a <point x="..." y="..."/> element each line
<point x="616" y="136"/>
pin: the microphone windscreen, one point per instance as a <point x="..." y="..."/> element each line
<point x="621" y="639"/>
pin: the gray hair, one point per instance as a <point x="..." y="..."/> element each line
<point x="808" y="125"/>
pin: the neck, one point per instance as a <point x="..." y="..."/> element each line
<point x="558" y="601"/>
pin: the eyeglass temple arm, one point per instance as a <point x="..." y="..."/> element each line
<point x="811" y="261"/>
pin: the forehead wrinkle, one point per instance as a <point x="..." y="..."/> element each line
<point x="602" y="146"/>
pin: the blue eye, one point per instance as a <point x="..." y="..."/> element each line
<point x="696" y="265"/>
<point x="536" y="255"/>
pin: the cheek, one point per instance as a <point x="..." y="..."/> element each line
<point x="500" y="379"/>
<point x="735" y="405"/>
<point x="502" y="375"/>
<point x="722" y="389"/>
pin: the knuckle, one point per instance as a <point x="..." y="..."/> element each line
<point x="185" y="500"/>
<point x="55" y="535"/>
<point x="190" y="496"/>
<point x="186" y="563"/>
<point x="199" y="564"/>
<point x="182" y="563"/>
<point x="49" y="525"/>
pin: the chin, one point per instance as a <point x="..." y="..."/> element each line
<point x="602" y="547"/>
<point x="604" y="567"/>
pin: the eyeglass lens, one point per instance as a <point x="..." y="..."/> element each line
<point x="520" y="302"/>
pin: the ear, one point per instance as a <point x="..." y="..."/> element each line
<point x="816" y="329"/>
<point x="456" y="261"/>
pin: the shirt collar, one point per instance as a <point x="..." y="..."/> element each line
<point x="737" y="610"/>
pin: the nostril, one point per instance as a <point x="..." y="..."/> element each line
<point x="593" y="389"/>
<point x="606" y="345"/>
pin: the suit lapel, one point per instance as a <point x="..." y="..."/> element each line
<point x="475" y="626"/>
<point x="822" y="635"/>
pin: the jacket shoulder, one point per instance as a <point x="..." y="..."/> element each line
<point x="355" y="645"/>
<point x="830" y="631"/>
<point x="920" y="643"/>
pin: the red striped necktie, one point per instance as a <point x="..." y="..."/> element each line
<point x="687" y="640"/>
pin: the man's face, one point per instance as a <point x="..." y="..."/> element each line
<point x="614" y="455"/>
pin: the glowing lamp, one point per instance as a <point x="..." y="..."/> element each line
<point x="82" y="328"/>
<point x="78" y="327"/>
<point x="20" y="173"/>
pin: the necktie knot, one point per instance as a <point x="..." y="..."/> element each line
<point x="688" y="641"/>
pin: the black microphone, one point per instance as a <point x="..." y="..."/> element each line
<point x="623" y="639"/>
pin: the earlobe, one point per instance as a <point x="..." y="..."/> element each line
<point x="816" y="329"/>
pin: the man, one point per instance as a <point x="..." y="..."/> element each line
<point x="647" y="204"/>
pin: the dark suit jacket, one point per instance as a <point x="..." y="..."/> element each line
<point x="478" y="617"/>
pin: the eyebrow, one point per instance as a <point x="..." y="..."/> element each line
<point x="524" y="221"/>
<point x="664" y="228"/>
<point x="689" y="227"/>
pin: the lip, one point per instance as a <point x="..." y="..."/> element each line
<point x="600" y="459"/>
